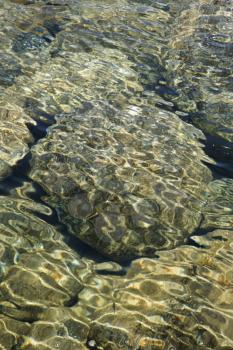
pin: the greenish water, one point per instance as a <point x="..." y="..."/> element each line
<point x="116" y="191"/>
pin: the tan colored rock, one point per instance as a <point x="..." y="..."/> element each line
<point x="182" y="300"/>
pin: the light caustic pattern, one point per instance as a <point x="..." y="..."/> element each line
<point x="122" y="169"/>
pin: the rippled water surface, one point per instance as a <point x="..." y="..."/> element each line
<point x="116" y="175"/>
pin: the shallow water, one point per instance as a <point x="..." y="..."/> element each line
<point x="116" y="191"/>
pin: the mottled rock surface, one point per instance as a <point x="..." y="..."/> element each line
<point x="120" y="175"/>
<point x="123" y="171"/>
<point x="145" y="191"/>
<point x="183" y="300"/>
<point x="121" y="185"/>
<point x="40" y="279"/>
<point x="26" y="33"/>
<point x="199" y="63"/>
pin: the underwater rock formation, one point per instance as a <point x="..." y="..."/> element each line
<point x="25" y="33"/>
<point x="14" y="136"/>
<point x="144" y="192"/>
<point x="50" y="297"/>
<point x="123" y="171"/>
<point x="39" y="273"/>
<point x="127" y="184"/>
<point x="199" y="62"/>
<point x="182" y="300"/>
<point x="218" y="212"/>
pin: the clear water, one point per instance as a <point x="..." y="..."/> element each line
<point x="116" y="191"/>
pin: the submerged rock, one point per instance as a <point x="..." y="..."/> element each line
<point x="14" y="136"/>
<point x="50" y="297"/>
<point x="28" y="42"/>
<point x="126" y="184"/>
<point x="59" y="328"/>
<point x="40" y="280"/>
<point x="9" y="70"/>
<point x="25" y="35"/>
<point x="125" y="177"/>
<point x="218" y="212"/>
<point x="182" y="300"/>
<point x="12" y="332"/>
<point x="199" y="62"/>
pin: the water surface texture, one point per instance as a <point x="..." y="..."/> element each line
<point x="116" y="176"/>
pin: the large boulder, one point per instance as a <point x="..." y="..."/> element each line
<point x="126" y="177"/>
<point x="127" y="184"/>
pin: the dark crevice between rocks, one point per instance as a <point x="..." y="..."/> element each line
<point x="220" y="150"/>
<point x="19" y="171"/>
<point x="203" y="232"/>
<point x="114" y="273"/>
<point x="19" y="176"/>
<point x="18" y="345"/>
<point x="199" y="231"/>
<point x="215" y="146"/>
<point x="29" y="314"/>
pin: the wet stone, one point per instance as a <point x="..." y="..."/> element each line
<point x="38" y="270"/>
<point x="126" y="177"/>
<point x="107" y="181"/>
<point x="29" y="41"/>
<point x="46" y="292"/>
<point x="200" y="66"/>
<point x="14" y="137"/>
<point x="9" y="73"/>
<point x="5" y="169"/>
<point x="42" y="280"/>
<point x="181" y="300"/>
<point x="60" y="328"/>
<point x="12" y="332"/>
<point x="218" y="212"/>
